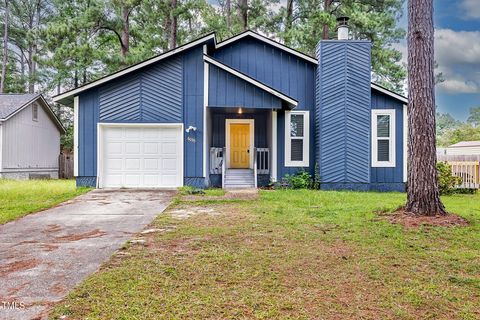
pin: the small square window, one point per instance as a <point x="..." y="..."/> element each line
<point x="35" y="112"/>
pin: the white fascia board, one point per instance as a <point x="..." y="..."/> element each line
<point x="405" y="142"/>
<point x="75" y="135"/>
<point x="165" y="55"/>
<point x="270" y="42"/>
<point x="250" y="80"/>
<point x="389" y="93"/>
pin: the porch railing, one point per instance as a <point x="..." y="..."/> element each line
<point x="263" y="160"/>
<point x="216" y="160"/>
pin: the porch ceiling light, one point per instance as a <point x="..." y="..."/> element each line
<point x="240" y="111"/>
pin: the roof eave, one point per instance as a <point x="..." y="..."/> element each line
<point x="241" y="75"/>
<point x="67" y="97"/>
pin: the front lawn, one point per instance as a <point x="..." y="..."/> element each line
<point x="19" y="198"/>
<point x="290" y="254"/>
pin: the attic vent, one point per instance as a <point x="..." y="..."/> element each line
<point x="35" y="112"/>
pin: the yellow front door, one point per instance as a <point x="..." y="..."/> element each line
<point x="239" y="145"/>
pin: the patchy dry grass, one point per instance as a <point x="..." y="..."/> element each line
<point x="291" y="255"/>
<point x="19" y="198"/>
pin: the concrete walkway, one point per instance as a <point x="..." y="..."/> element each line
<point x="44" y="255"/>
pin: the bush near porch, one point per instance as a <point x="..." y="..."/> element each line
<point x="296" y="254"/>
<point x="19" y="198"/>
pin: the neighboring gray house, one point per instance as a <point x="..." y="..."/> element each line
<point x="464" y="148"/>
<point x="29" y="137"/>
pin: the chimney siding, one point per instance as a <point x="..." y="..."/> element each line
<point x="343" y="120"/>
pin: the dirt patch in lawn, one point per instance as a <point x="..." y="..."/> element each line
<point x="411" y="221"/>
<point x="232" y="194"/>
<point x="18" y="266"/>
<point x="79" y="236"/>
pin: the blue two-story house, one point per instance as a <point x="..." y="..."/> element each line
<point x="241" y="113"/>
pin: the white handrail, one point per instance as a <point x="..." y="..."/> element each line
<point x="223" y="167"/>
<point x="255" y="166"/>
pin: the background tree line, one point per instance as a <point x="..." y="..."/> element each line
<point x="451" y="130"/>
<point x="53" y="45"/>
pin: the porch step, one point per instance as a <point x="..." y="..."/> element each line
<point x="239" y="178"/>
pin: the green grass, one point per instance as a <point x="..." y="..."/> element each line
<point x="19" y="198"/>
<point x="293" y="254"/>
<point x="210" y="192"/>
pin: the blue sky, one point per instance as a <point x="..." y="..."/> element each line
<point x="457" y="51"/>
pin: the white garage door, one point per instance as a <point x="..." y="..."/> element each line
<point x="141" y="156"/>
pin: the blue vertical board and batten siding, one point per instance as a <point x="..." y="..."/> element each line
<point x="170" y="91"/>
<point x="282" y="71"/>
<point x="227" y="90"/>
<point x="343" y="114"/>
<point x="88" y="117"/>
<point x="390" y="179"/>
<point x="193" y="69"/>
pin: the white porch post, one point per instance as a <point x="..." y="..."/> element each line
<point x="273" y="165"/>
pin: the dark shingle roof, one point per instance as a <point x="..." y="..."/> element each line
<point x="10" y="103"/>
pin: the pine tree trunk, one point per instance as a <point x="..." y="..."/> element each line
<point x="422" y="186"/>
<point x="228" y="13"/>
<point x="125" y="35"/>
<point x="288" y="21"/>
<point x="243" y="13"/>
<point x="173" y="26"/>
<point x="326" y="8"/>
<point x="5" y="50"/>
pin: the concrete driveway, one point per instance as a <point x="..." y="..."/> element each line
<point x="44" y="255"/>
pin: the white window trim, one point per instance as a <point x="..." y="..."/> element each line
<point x="306" y="140"/>
<point x="392" y="139"/>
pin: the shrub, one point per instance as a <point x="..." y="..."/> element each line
<point x="300" y="180"/>
<point x="446" y="180"/>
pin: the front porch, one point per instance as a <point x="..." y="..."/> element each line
<point x="242" y="147"/>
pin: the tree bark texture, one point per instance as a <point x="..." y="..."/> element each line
<point x="228" y="13"/>
<point x="243" y="13"/>
<point x="326" y="8"/>
<point x="125" y="35"/>
<point x="423" y="196"/>
<point x="172" y="43"/>
<point x="5" y="50"/>
<point x="288" y="21"/>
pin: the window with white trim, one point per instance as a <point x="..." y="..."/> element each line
<point x="383" y="138"/>
<point x="297" y="138"/>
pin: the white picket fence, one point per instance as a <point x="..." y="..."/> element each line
<point x="465" y="167"/>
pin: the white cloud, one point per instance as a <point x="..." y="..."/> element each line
<point x="458" y="56"/>
<point x="472" y="8"/>
<point x="459" y="86"/>
<point x="457" y="46"/>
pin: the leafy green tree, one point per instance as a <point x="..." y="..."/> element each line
<point x="474" y="117"/>
<point x="445" y="124"/>
<point x="300" y="25"/>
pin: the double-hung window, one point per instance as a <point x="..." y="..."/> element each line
<point x="297" y="138"/>
<point x="383" y="138"/>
